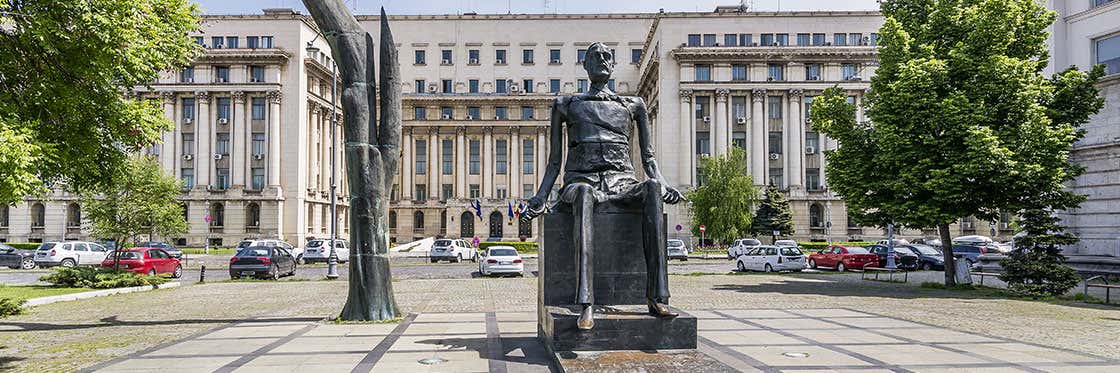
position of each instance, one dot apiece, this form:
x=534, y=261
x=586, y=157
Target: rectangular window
x=874, y=39
x=781, y=39
x=258, y=108
x=223, y=143
x=474, y=113
x=394, y=195
x=500, y=86
x=266, y=42
x=258, y=178
x=813, y=71
x=500, y=56
x=256, y=74
x=526, y=112
x=420, y=86
x=501, y=113
x=774, y=72
x=1108, y=53
x=221, y=74
x=694, y=40
x=188, y=143
x=855, y=38
x=554, y=56
x=730, y=40
x=776, y=177
x=222, y=182
x=703, y=107
x=420, y=113
x=709, y=40
x=812, y=140
x=187, y=175
x=474, y=191
x=635, y=55
x=231, y=42
x=186, y=75
x=840, y=39
x=420, y=152
x=200, y=41
x=739, y=72
x=446, y=54
x=528, y=164
x=739, y=140
x=472, y=56
x=527, y=191
x=581, y=54
x=447, y=156
x=767, y=40
x=808, y=100
x=803, y=39
x=421, y=57
x=253, y=42
x=188, y=109
x=703, y=73
x=746, y=40
x=774, y=107
x=446, y=85
x=421, y=192
x=703, y=144
x=527, y=85
x=475, y=162
x=217, y=42
x=813, y=179
x=527, y=56
x=446, y=112
x=1097, y=3
x=472, y=86
x=775, y=143
x=447, y=191
x=501, y=192
x=501, y=154
x=849, y=71
x=258, y=144
x=223, y=108
x=554, y=86
x=739, y=109
x=581, y=85
x=818, y=39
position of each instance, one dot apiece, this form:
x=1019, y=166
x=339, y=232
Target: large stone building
x=1086, y=33
x=252, y=117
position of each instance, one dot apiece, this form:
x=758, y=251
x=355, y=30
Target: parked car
x=785, y=243
x=144, y=260
x=452, y=250
x=169, y=248
x=989, y=245
x=843, y=258
x=771, y=259
x=740, y=247
x=897, y=242
x=935, y=242
x=261, y=261
x=677, y=249
x=70, y=254
x=320, y=251
x=971, y=253
x=501, y=259
x=15, y=258
x=296, y=252
x=903, y=258
x=929, y=257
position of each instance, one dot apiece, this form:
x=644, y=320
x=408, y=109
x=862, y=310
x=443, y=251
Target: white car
x=501, y=259
x=320, y=251
x=897, y=242
x=70, y=254
x=677, y=249
x=452, y=250
x=295, y=251
x=740, y=247
x=772, y=259
x=785, y=243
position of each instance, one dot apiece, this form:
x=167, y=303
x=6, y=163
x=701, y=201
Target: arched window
x=816, y=216
x=4, y=215
x=217, y=215
x=418, y=220
x=466, y=225
x=392, y=220
x=38, y=215
x=495, y=224
x=253, y=215
x=73, y=215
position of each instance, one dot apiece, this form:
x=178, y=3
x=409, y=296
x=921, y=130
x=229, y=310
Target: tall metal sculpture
x=372, y=152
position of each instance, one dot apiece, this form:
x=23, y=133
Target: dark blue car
x=929, y=257
x=971, y=253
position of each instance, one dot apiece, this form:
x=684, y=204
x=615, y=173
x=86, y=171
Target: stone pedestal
x=617, y=328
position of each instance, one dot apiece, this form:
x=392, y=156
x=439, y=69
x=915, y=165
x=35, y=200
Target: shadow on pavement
x=520, y=350
x=7, y=327
x=6, y=361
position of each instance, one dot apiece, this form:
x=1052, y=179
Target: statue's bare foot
x=660, y=309
x=586, y=318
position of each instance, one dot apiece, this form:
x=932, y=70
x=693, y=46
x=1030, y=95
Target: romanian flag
x=509, y=212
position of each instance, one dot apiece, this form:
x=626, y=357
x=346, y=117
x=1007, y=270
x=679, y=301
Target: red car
x=843, y=258
x=145, y=260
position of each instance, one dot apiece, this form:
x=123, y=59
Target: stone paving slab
x=763, y=340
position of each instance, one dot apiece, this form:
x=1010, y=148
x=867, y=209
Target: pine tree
x=1037, y=267
x=773, y=215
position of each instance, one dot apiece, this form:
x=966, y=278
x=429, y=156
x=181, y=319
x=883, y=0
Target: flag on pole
x=509, y=212
x=477, y=208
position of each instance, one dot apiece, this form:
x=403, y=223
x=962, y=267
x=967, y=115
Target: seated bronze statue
x=598, y=170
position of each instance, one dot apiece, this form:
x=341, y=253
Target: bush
x=24, y=245
x=99, y=278
x=1036, y=269
x=522, y=247
x=10, y=307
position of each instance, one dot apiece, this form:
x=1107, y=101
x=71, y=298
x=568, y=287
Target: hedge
x=24, y=245
x=99, y=278
x=522, y=247
x=818, y=246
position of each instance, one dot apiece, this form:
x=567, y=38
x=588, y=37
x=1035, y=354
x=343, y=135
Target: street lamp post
x=332, y=259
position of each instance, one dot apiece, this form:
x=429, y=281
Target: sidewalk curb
x=96, y=293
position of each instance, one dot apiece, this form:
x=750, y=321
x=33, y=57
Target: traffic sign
x=679, y=227
x=208, y=218
x=703, y=228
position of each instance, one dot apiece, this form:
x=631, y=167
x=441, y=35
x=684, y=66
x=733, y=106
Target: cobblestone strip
x=161, y=346
x=263, y=350
x=367, y=363
x=495, y=351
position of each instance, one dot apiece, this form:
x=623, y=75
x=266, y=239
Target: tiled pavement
x=768, y=340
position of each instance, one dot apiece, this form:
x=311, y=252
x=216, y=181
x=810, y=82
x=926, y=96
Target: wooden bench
x=890, y=272
x=985, y=274
x=1104, y=284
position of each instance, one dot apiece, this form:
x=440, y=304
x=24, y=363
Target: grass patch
x=213, y=251
x=36, y=291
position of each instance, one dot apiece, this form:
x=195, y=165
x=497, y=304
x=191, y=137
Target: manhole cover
x=431, y=361
x=795, y=354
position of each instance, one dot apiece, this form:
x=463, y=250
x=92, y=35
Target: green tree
x=724, y=200
x=65, y=68
x=143, y=201
x=1037, y=267
x=773, y=215
x=962, y=122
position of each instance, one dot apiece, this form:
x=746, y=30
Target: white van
x=70, y=254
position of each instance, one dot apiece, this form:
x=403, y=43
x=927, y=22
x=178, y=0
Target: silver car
x=677, y=250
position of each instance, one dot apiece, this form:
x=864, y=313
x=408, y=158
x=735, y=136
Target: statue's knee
x=582, y=191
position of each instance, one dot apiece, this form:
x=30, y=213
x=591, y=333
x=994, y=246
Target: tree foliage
x=65, y=68
x=773, y=214
x=962, y=122
x=723, y=202
x=1036, y=268
x=141, y=202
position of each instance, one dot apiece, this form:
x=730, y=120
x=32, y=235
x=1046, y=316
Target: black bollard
x=202, y=273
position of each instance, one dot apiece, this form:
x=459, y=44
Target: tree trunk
x=372, y=153
x=947, y=250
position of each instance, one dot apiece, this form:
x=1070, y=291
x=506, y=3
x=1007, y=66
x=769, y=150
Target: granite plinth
x=640, y=361
x=627, y=327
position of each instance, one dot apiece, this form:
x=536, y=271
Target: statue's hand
x=535, y=208
x=672, y=196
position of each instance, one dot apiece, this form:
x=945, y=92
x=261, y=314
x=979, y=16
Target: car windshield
x=255, y=251
x=315, y=243
x=125, y=255
x=244, y=244
x=46, y=246
x=443, y=243
x=856, y=250
x=676, y=243
x=503, y=252
x=790, y=251
x=926, y=249
x=751, y=242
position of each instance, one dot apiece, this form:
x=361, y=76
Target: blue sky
x=532, y=6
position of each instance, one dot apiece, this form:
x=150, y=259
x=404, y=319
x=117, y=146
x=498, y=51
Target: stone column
x=407, y=147
x=433, y=163
x=167, y=152
x=314, y=153
x=247, y=152
x=488, y=162
x=688, y=135
x=721, y=133
x=797, y=141
x=787, y=148
x=325, y=144
x=758, y=137
x=542, y=156
x=238, y=158
x=461, y=162
x=515, y=162
x=274, y=98
x=203, y=129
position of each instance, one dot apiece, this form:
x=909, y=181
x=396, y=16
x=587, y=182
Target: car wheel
x=739, y=265
x=234, y=276
x=458, y=258
x=300, y=261
x=768, y=268
x=152, y=272
x=812, y=264
x=27, y=264
x=178, y=272
x=434, y=260
x=927, y=266
x=69, y=263
x=273, y=273
x=840, y=267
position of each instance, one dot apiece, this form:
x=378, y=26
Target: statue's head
x=599, y=62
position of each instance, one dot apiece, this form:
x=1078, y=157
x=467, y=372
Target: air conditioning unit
x=855, y=77
x=828, y=43
x=217, y=157
x=815, y=77
x=555, y=61
x=446, y=117
x=530, y=117
x=774, y=44
x=474, y=60
x=500, y=62
x=188, y=120
x=741, y=120
x=222, y=80
x=446, y=62
x=432, y=88
x=866, y=41
x=258, y=156
x=470, y=117
x=255, y=80
x=188, y=156
x=754, y=44
x=223, y=121
x=769, y=78
x=775, y=156
x=810, y=150
x=514, y=88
